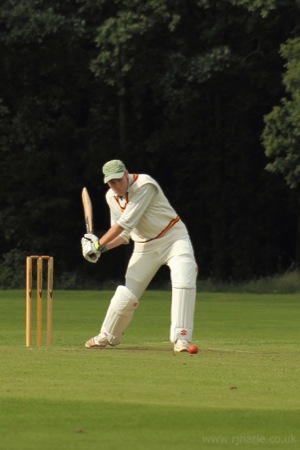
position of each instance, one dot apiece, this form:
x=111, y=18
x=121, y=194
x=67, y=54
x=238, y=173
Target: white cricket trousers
x=144, y=263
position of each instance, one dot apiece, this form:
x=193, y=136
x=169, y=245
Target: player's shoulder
x=109, y=194
x=143, y=178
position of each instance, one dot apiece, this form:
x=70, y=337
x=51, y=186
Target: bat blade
x=88, y=211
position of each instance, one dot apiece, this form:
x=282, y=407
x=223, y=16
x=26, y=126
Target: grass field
x=241, y=391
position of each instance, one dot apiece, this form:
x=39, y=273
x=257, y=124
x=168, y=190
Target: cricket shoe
x=97, y=342
x=181, y=345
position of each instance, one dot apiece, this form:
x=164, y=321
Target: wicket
x=39, y=298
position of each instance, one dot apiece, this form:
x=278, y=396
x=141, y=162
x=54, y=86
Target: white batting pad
x=182, y=314
x=119, y=315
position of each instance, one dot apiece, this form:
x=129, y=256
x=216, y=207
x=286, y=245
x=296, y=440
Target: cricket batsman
x=140, y=211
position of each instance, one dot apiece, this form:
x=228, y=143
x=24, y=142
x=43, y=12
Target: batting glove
x=95, y=240
x=89, y=251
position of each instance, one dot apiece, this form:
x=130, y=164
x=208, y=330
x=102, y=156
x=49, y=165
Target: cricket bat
x=88, y=211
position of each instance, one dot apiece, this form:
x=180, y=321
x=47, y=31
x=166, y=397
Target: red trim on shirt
x=165, y=230
x=117, y=198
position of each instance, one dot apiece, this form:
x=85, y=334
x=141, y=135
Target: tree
x=177, y=88
x=44, y=78
x=189, y=83
x=281, y=135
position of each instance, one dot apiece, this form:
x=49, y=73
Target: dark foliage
x=175, y=89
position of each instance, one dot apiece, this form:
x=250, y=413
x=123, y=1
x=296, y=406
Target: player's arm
x=112, y=238
x=93, y=247
x=130, y=217
x=137, y=207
